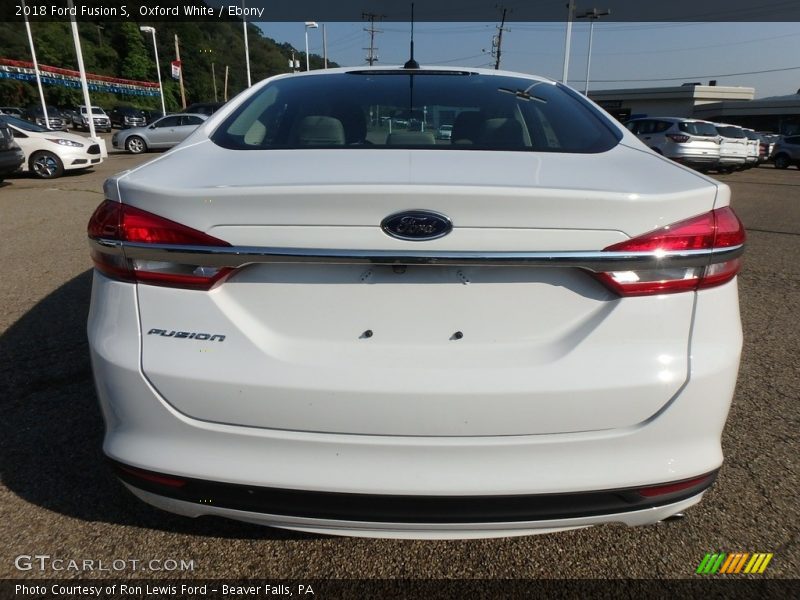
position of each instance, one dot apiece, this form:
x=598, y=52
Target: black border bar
x=439, y=11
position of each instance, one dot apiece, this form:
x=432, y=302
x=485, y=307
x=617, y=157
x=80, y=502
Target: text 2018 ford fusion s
x=317, y=314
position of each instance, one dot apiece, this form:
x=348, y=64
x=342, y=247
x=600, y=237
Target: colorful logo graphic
x=733, y=563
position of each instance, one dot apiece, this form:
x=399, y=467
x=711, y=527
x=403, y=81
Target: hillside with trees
x=119, y=49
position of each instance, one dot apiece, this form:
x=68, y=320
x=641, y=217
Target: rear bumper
x=386, y=508
x=417, y=530
x=732, y=160
x=681, y=441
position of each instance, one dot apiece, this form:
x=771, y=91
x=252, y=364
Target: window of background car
x=168, y=122
x=396, y=109
x=731, y=132
x=698, y=128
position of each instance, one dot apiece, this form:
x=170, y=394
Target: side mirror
x=152, y=127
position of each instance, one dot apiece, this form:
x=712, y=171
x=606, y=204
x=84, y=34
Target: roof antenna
x=411, y=63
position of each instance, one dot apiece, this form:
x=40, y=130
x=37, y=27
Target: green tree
x=135, y=63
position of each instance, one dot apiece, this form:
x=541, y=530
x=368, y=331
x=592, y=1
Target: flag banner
x=25, y=71
x=176, y=69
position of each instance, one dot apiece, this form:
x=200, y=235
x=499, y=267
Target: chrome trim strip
x=237, y=256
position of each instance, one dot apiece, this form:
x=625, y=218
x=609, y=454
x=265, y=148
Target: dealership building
x=727, y=104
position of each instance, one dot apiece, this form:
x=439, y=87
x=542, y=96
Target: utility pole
x=567, y=40
x=214, y=79
x=497, y=41
x=180, y=73
x=324, y=46
x=372, y=58
x=226, y=83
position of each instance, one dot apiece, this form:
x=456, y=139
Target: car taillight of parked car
x=678, y=138
x=117, y=222
x=718, y=230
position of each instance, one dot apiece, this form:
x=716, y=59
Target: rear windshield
x=698, y=128
x=752, y=135
x=396, y=109
x=731, y=132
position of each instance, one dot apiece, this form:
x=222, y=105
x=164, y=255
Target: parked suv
x=11, y=155
x=688, y=141
x=733, y=149
x=753, y=148
x=787, y=152
x=55, y=120
x=101, y=120
x=127, y=116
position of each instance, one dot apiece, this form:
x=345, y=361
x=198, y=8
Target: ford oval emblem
x=416, y=225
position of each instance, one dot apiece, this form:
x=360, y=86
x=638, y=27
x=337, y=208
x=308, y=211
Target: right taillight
x=117, y=222
x=718, y=229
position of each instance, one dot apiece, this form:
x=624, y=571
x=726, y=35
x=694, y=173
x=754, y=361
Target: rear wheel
x=46, y=165
x=782, y=161
x=135, y=145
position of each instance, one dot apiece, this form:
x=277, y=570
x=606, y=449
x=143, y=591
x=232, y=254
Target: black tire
x=135, y=145
x=46, y=165
x=782, y=161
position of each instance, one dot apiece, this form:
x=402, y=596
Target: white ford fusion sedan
x=317, y=314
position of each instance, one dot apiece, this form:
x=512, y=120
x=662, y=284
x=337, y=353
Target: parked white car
x=687, y=141
x=733, y=149
x=102, y=122
x=753, y=148
x=49, y=153
x=302, y=320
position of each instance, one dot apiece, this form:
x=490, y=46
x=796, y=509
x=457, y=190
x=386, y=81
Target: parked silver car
x=166, y=132
x=787, y=152
x=688, y=141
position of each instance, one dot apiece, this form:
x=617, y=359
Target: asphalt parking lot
x=58, y=498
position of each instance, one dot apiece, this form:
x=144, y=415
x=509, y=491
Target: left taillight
x=117, y=222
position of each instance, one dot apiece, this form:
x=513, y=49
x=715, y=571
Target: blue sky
x=621, y=51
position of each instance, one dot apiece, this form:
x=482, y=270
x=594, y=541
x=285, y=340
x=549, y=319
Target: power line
x=689, y=77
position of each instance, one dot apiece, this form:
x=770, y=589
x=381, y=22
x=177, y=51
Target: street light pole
x=152, y=30
x=36, y=67
x=592, y=15
x=567, y=40
x=246, y=51
x=309, y=25
x=82, y=69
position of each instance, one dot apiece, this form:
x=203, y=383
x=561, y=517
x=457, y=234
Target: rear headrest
x=354, y=121
x=317, y=130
